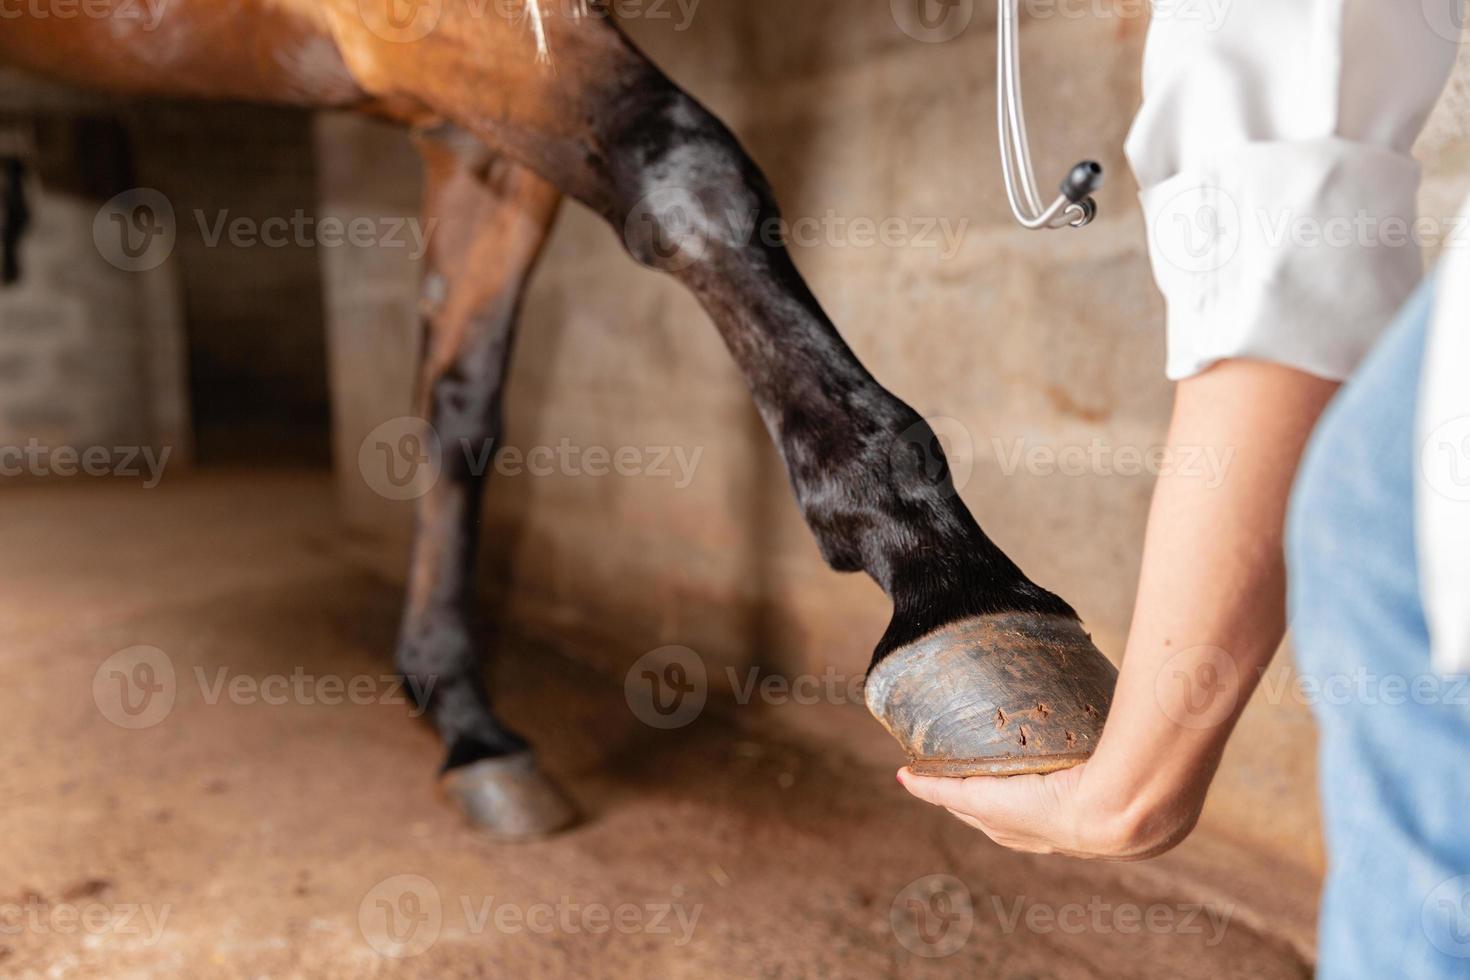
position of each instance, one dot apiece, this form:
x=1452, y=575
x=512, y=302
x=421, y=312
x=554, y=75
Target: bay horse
x=980, y=671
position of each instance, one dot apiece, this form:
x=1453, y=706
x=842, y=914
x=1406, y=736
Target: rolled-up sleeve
x=1272, y=152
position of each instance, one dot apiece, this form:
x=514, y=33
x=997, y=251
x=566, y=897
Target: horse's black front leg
x=980, y=669
x=490, y=219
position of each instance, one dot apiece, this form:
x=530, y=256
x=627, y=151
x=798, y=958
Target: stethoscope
x=1074, y=206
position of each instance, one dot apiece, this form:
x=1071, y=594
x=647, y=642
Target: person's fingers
x=1006, y=809
x=1013, y=803
x=996, y=803
x=1031, y=813
x=1002, y=798
x=952, y=794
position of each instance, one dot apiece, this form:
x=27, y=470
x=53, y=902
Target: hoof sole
x=509, y=798
x=999, y=695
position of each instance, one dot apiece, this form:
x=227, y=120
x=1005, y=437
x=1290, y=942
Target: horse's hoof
x=510, y=798
x=997, y=695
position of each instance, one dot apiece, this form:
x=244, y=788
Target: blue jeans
x=1395, y=738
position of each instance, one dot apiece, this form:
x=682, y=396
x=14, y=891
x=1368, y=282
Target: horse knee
x=682, y=188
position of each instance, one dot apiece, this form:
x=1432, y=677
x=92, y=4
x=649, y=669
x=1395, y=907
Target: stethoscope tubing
x=1074, y=206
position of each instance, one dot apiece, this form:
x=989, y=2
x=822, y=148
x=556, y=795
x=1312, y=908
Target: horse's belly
x=259, y=50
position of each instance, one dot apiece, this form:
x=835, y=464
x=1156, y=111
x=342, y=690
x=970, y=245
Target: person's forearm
x=1210, y=611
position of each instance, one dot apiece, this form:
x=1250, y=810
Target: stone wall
x=91, y=353
x=186, y=335
x=241, y=183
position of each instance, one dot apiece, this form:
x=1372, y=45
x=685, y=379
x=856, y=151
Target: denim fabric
x=1395, y=738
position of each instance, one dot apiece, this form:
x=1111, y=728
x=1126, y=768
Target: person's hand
x=1068, y=812
x=1211, y=595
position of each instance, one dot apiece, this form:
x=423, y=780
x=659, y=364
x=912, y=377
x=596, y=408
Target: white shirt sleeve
x=1272, y=153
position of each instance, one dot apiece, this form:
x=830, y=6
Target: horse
x=514, y=107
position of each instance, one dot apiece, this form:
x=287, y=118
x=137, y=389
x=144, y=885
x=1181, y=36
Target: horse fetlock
x=479, y=739
x=872, y=482
x=467, y=417
x=435, y=655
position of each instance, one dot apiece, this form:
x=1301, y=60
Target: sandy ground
x=234, y=836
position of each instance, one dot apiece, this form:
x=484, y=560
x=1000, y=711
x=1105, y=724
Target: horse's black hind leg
x=490, y=218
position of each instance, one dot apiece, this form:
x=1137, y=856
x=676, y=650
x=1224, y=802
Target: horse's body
x=504, y=137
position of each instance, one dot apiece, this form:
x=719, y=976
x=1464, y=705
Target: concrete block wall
x=253, y=301
x=90, y=355
x=208, y=345
x=367, y=170
x=1020, y=341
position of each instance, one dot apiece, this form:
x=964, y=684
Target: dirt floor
x=253, y=829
